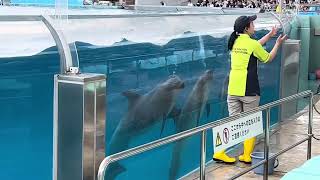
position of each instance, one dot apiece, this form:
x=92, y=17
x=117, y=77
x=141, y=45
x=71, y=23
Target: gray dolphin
x=190, y=116
x=143, y=112
x=223, y=97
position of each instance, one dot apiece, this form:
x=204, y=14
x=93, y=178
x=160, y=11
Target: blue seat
x=309, y=170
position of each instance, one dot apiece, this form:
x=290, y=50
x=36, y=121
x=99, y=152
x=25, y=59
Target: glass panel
x=28, y=62
x=166, y=74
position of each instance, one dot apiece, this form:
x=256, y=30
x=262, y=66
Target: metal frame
x=63, y=47
x=279, y=20
x=88, y=123
x=284, y=89
x=149, y=146
x=55, y=130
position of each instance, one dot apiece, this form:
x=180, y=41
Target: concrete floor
x=288, y=133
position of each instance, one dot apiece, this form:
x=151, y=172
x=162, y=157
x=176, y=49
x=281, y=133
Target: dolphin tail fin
x=208, y=109
x=176, y=160
x=119, y=142
x=198, y=117
x=114, y=170
x=174, y=114
x=163, y=124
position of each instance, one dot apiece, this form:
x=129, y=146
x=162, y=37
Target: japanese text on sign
x=232, y=133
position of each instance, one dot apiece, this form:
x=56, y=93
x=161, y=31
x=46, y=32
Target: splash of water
x=202, y=52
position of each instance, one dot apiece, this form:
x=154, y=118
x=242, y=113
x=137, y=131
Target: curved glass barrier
x=33, y=10
x=28, y=62
x=166, y=74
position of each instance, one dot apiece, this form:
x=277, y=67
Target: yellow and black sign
x=218, y=140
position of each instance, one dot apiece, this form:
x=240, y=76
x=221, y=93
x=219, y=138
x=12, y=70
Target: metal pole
x=62, y=44
x=203, y=156
x=271, y=157
x=248, y=170
x=310, y=127
x=280, y=5
x=266, y=145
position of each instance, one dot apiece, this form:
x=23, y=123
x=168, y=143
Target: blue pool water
x=26, y=105
x=143, y=66
x=26, y=108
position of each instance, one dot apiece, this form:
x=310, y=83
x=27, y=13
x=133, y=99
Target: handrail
x=58, y=36
x=146, y=147
x=279, y=20
x=64, y=50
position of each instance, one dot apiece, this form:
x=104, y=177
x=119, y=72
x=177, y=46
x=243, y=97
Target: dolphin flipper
x=176, y=159
x=164, y=118
x=181, y=125
x=198, y=117
x=174, y=114
x=208, y=109
x=119, y=142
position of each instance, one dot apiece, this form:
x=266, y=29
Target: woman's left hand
x=273, y=31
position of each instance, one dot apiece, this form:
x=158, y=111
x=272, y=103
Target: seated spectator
x=199, y=3
x=240, y=4
x=162, y=3
x=205, y=3
x=225, y=4
x=190, y=3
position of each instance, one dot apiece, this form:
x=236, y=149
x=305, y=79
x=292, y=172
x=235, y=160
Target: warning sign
x=237, y=131
x=218, y=140
x=226, y=135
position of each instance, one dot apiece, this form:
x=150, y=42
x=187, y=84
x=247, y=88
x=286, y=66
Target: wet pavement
x=289, y=132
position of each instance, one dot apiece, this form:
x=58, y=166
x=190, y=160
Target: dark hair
x=232, y=39
x=235, y=34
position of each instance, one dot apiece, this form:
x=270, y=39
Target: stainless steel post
x=266, y=145
x=310, y=127
x=203, y=156
x=79, y=126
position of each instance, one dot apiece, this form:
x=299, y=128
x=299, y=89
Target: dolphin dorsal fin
x=132, y=96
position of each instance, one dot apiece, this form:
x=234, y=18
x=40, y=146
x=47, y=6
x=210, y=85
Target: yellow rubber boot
x=248, y=146
x=221, y=156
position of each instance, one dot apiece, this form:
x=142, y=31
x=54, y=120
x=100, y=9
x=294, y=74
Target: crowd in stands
x=225, y=3
x=265, y=4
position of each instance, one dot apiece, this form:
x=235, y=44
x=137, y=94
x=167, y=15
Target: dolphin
x=143, y=112
x=196, y=103
x=223, y=97
x=190, y=116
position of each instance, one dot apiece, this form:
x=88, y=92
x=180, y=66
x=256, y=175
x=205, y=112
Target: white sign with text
x=234, y=132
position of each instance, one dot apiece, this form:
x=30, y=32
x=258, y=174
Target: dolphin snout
x=209, y=74
x=182, y=85
x=210, y=71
